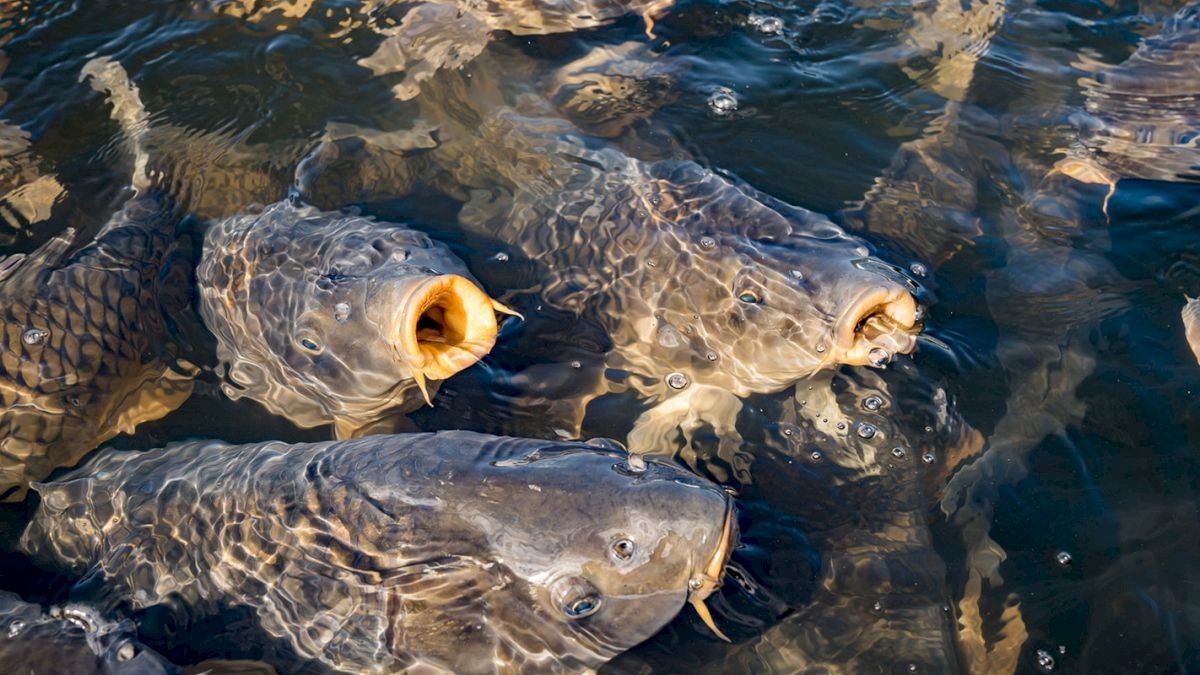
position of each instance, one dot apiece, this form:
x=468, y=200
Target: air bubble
x=341, y=312
x=636, y=462
x=651, y=263
x=677, y=381
x=708, y=242
x=866, y=430
x=722, y=101
x=873, y=402
x=15, y=628
x=928, y=458
x=711, y=356
x=500, y=257
x=34, y=336
x=878, y=606
x=816, y=456
x=820, y=349
x=576, y=365
x=899, y=453
x=767, y=25
x=1063, y=558
x=1045, y=661
x=879, y=357
x=918, y=270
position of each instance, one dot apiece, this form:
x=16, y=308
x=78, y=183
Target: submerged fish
x=454, y=551
x=324, y=316
x=421, y=38
x=1141, y=118
x=73, y=639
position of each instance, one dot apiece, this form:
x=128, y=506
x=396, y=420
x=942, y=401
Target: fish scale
x=380, y=553
x=105, y=362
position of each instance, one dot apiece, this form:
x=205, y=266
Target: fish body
x=1141, y=118
x=422, y=38
x=323, y=316
x=453, y=551
x=88, y=346
x=686, y=270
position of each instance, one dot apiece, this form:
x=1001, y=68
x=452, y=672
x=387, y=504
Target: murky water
x=1019, y=495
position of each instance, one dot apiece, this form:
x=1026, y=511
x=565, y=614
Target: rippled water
x=1020, y=495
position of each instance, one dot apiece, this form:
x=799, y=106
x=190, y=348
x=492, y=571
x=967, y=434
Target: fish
x=437, y=552
x=91, y=346
x=323, y=317
x=419, y=39
x=705, y=287
x=88, y=346
x=72, y=639
x=1140, y=118
x=331, y=317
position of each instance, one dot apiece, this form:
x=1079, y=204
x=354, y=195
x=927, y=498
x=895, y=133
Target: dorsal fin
x=21, y=268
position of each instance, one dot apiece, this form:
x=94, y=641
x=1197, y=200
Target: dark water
x=1020, y=495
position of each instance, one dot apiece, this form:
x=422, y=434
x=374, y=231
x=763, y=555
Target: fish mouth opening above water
x=446, y=325
x=881, y=323
x=705, y=582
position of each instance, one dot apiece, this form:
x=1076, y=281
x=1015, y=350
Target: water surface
x=1020, y=495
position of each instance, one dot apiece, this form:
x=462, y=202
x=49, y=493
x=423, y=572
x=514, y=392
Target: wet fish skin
x=1141, y=117
x=455, y=551
x=73, y=639
x=316, y=314
x=88, y=350
x=688, y=272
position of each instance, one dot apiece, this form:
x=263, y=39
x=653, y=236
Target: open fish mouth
x=446, y=325
x=881, y=323
x=708, y=580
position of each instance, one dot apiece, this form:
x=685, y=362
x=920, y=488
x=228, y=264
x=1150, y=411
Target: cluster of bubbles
x=722, y=102
x=766, y=24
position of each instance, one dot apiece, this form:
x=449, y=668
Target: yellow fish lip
x=708, y=580
x=446, y=324
x=881, y=318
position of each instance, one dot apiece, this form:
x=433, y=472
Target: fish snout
x=879, y=324
x=445, y=324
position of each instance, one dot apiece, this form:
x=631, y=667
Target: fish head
x=613, y=553
x=347, y=317
x=766, y=306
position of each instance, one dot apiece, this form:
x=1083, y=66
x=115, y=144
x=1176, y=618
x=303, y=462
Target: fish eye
x=749, y=297
x=623, y=549
x=310, y=345
x=580, y=607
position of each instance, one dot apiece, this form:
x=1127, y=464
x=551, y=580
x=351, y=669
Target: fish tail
x=109, y=77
